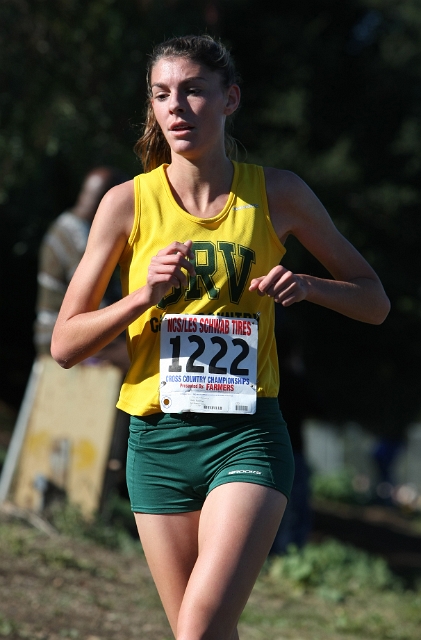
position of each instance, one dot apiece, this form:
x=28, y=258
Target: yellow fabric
x=231, y=248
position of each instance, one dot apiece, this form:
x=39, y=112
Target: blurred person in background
x=61, y=251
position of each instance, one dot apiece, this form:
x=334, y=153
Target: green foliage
x=336, y=486
x=63, y=88
x=75, y=73
x=6, y=626
x=334, y=570
x=114, y=531
x=66, y=559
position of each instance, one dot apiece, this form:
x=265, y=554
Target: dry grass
x=59, y=587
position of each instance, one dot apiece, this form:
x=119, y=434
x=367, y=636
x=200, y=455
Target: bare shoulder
x=296, y=210
x=294, y=207
x=282, y=183
x=116, y=210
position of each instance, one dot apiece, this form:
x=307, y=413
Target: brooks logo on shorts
x=257, y=473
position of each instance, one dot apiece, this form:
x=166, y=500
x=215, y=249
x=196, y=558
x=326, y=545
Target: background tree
x=331, y=90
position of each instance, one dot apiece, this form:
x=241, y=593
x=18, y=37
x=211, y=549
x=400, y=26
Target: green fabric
x=175, y=460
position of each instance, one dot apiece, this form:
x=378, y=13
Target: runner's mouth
x=181, y=127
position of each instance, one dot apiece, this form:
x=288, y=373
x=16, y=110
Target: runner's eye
x=160, y=96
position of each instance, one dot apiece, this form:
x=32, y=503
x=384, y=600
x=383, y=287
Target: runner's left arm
x=355, y=290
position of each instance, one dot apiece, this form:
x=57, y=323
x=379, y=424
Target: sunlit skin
x=191, y=107
x=205, y=563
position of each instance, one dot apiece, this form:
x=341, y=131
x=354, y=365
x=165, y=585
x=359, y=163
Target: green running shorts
x=175, y=459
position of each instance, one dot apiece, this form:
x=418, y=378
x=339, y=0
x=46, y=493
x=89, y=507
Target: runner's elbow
x=380, y=310
x=59, y=354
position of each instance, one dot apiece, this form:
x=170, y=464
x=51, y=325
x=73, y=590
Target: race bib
x=208, y=364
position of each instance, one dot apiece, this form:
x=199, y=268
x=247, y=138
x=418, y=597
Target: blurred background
x=331, y=90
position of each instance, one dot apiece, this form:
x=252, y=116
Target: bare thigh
x=205, y=563
x=170, y=544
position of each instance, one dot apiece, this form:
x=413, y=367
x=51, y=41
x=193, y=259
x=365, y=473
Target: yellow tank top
x=230, y=249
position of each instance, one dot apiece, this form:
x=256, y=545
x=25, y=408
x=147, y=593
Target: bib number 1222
x=208, y=364
x=221, y=351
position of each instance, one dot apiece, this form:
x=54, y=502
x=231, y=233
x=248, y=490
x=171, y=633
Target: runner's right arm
x=82, y=329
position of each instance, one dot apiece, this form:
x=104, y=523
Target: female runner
x=199, y=239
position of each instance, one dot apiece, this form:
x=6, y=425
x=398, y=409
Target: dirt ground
x=54, y=587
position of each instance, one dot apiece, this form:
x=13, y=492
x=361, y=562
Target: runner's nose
x=175, y=103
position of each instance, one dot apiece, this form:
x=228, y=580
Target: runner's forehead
x=180, y=70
